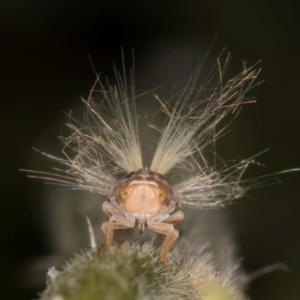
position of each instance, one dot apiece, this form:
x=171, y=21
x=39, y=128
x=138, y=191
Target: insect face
x=145, y=192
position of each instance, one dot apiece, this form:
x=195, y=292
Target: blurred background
x=45, y=69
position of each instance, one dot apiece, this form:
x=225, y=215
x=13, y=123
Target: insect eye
x=123, y=192
x=162, y=192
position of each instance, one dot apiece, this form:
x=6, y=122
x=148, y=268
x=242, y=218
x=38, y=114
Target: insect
x=106, y=146
x=141, y=198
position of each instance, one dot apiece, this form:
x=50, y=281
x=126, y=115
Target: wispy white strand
x=93, y=243
x=196, y=111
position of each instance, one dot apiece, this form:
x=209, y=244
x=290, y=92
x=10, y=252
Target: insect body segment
x=143, y=198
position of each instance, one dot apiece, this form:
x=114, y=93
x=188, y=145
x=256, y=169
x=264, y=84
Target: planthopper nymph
x=143, y=198
x=104, y=153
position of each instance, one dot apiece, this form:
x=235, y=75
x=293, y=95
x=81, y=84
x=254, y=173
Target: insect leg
x=171, y=234
x=175, y=218
x=115, y=222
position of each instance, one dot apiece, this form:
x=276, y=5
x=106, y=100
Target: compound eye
x=162, y=192
x=123, y=192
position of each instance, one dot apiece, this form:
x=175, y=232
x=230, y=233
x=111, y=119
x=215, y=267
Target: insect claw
x=165, y=261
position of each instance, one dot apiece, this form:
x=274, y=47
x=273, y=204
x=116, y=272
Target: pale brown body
x=143, y=198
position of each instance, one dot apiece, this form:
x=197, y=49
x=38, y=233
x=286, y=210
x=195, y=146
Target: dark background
x=45, y=67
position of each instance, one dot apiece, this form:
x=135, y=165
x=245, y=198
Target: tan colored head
x=144, y=191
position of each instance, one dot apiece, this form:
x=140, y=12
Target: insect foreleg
x=169, y=231
x=115, y=222
x=175, y=218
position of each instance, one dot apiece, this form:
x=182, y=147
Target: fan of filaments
x=106, y=143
